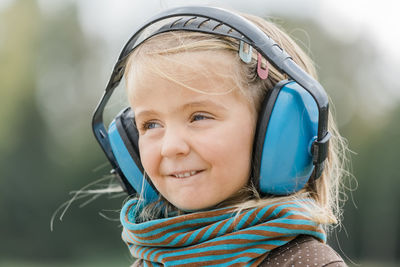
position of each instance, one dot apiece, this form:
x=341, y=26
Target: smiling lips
x=185, y=174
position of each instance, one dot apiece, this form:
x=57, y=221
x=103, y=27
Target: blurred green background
x=55, y=59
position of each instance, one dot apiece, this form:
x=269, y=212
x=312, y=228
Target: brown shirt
x=304, y=251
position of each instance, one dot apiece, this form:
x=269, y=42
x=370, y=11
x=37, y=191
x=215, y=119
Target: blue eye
x=150, y=125
x=198, y=117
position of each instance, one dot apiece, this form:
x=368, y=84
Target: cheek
x=230, y=148
x=239, y=150
x=148, y=157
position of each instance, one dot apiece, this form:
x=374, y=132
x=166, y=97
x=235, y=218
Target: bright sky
x=379, y=19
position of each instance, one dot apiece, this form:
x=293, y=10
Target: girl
x=189, y=145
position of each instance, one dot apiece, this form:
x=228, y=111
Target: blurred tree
x=46, y=144
x=17, y=73
x=377, y=169
x=371, y=225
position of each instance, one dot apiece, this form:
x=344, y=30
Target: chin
x=191, y=207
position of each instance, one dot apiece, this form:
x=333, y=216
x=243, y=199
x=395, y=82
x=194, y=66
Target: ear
x=124, y=137
x=287, y=127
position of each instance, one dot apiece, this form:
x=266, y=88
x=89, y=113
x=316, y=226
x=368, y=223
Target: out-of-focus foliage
x=49, y=87
x=353, y=73
x=51, y=76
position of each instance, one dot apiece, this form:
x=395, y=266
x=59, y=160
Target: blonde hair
x=326, y=191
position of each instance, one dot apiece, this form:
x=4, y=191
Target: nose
x=174, y=143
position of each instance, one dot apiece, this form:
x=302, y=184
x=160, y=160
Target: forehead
x=208, y=72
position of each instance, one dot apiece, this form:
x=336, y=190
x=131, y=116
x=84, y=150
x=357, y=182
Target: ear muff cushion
x=286, y=161
x=127, y=155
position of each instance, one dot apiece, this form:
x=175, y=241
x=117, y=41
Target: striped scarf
x=218, y=237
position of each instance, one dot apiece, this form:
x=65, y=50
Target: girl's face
x=195, y=147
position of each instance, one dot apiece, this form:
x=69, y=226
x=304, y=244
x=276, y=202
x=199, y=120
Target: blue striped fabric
x=217, y=237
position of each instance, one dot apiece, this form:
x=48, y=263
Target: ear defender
x=124, y=138
x=291, y=139
x=287, y=128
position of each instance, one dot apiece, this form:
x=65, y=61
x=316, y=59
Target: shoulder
x=304, y=251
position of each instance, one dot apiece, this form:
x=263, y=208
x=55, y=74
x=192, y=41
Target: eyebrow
x=190, y=105
x=203, y=103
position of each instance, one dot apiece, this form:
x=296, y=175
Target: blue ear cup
x=123, y=138
x=290, y=120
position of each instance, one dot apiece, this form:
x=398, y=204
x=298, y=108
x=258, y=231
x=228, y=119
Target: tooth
x=185, y=174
